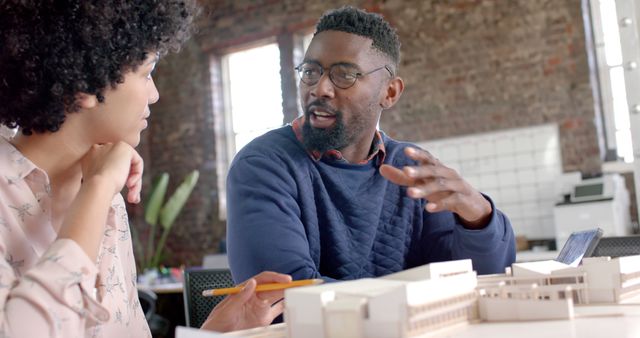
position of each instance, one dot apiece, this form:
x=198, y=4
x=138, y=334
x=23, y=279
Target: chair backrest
x=618, y=246
x=196, y=306
x=147, y=300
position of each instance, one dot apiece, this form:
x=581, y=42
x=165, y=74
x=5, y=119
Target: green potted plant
x=157, y=212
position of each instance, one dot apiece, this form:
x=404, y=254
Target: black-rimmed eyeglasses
x=342, y=76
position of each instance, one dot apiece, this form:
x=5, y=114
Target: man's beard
x=323, y=139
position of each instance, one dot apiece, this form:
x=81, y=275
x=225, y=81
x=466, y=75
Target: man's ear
x=393, y=93
x=86, y=101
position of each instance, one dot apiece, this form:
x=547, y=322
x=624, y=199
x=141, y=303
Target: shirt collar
x=18, y=167
x=20, y=173
x=376, y=152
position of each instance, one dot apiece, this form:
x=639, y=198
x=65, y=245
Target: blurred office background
x=526, y=98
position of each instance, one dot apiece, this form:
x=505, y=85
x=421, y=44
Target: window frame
x=225, y=139
x=601, y=77
x=291, y=46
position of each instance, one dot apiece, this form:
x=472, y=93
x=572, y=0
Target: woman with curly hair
x=75, y=78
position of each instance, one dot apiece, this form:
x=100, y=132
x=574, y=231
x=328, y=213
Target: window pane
x=619, y=93
x=256, y=95
x=625, y=150
x=612, y=48
x=306, y=41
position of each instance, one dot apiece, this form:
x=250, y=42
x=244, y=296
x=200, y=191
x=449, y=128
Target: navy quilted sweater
x=331, y=220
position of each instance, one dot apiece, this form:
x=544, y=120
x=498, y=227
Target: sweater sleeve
x=264, y=226
x=491, y=249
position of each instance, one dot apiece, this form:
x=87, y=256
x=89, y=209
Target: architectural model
x=428, y=300
x=405, y=304
x=597, y=280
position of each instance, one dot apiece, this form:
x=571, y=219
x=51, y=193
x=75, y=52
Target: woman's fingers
x=271, y=277
x=275, y=311
x=247, y=291
x=134, y=181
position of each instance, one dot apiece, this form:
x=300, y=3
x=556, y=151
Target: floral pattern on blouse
x=49, y=287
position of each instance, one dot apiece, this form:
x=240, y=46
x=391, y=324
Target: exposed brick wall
x=469, y=66
x=179, y=139
x=475, y=66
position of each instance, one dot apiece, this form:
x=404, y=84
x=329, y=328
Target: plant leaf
x=155, y=261
x=175, y=203
x=154, y=204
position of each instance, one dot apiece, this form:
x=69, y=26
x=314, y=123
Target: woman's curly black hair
x=51, y=50
x=370, y=25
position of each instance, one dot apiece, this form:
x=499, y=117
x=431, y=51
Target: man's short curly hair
x=370, y=25
x=51, y=50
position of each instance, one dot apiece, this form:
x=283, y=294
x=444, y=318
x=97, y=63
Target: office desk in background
x=163, y=288
x=619, y=321
x=211, y=261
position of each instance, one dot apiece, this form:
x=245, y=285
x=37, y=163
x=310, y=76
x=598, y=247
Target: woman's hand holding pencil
x=247, y=308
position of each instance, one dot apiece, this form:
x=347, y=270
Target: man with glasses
x=332, y=197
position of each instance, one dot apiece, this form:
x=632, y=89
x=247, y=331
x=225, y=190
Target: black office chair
x=158, y=325
x=197, y=307
x=617, y=246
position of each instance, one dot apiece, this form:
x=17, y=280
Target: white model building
x=611, y=280
x=524, y=302
x=414, y=302
x=597, y=280
x=430, y=299
x=532, y=291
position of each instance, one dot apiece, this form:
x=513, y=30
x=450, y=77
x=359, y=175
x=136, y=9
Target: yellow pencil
x=262, y=287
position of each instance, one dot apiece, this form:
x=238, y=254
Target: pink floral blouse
x=49, y=287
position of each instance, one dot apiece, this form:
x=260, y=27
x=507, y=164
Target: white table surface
x=621, y=321
x=597, y=321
